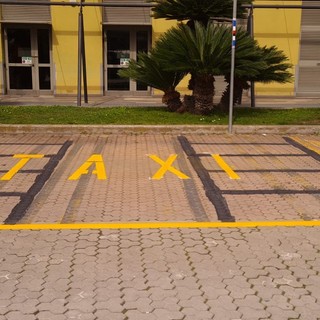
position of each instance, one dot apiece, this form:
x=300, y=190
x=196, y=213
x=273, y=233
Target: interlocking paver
x=253, y=273
x=218, y=296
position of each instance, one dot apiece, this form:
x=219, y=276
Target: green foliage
x=200, y=50
x=207, y=50
x=277, y=66
x=149, y=70
x=151, y=116
x=196, y=10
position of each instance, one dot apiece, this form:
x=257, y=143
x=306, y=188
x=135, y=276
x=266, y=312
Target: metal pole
x=84, y=64
x=79, y=57
x=233, y=55
x=252, y=84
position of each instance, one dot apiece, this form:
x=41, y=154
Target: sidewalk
x=109, y=101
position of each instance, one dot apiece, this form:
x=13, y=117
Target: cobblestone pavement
x=267, y=273
x=199, y=273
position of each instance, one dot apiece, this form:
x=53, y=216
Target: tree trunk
x=172, y=99
x=239, y=86
x=188, y=103
x=203, y=92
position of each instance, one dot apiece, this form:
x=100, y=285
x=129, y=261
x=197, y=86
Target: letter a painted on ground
x=24, y=160
x=100, y=171
x=166, y=166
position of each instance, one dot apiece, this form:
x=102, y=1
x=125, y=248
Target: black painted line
x=190, y=187
x=211, y=189
x=25, y=171
x=301, y=147
x=29, y=144
x=239, y=144
x=251, y=155
x=274, y=191
x=11, y=155
x=20, y=209
x=12, y=194
x=274, y=170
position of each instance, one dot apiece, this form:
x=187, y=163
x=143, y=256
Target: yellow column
x=65, y=47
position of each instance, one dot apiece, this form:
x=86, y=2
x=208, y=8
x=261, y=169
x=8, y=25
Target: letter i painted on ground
x=224, y=166
x=166, y=166
x=100, y=171
x=24, y=160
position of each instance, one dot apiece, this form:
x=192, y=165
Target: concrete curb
x=159, y=129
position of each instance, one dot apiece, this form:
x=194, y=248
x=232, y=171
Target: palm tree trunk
x=172, y=99
x=203, y=91
x=239, y=86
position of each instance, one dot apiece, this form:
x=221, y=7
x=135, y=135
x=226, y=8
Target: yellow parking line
x=223, y=165
x=163, y=225
x=311, y=145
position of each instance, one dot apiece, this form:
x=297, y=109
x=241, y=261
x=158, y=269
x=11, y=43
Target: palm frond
x=149, y=71
x=196, y=10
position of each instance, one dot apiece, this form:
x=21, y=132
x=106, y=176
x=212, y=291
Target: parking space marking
x=100, y=170
x=310, y=144
x=25, y=158
x=224, y=166
x=166, y=166
x=164, y=225
x=211, y=186
x=303, y=146
x=26, y=199
x=212, y=191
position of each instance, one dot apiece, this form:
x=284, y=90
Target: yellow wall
x=279, y=27
x=1, y=60
x=65, y=48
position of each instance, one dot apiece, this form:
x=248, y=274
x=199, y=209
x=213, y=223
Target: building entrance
x=123, y=44
x=28, y=60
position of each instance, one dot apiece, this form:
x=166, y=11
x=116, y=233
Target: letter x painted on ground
x=166, y=166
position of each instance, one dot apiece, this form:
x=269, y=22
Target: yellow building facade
x=39, y=46
x=279, y=27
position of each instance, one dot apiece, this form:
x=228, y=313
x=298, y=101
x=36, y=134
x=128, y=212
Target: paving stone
x=136, y=315
x=164, y=314
x=56, y=306
x=17, y=315
x=252, y=313
x=279, y=313
x=106, y=314
x=27, y=307
x=83, y=305
x=209, y=273
x=75, y=314
x=46, y=315
x=224, y=302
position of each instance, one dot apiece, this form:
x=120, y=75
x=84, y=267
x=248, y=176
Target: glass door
x=123, y=44
x=28, y=67
x=118, y=55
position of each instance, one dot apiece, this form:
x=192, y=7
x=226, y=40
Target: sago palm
x=148, y=70
x=274, y=68
x=204, y=52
